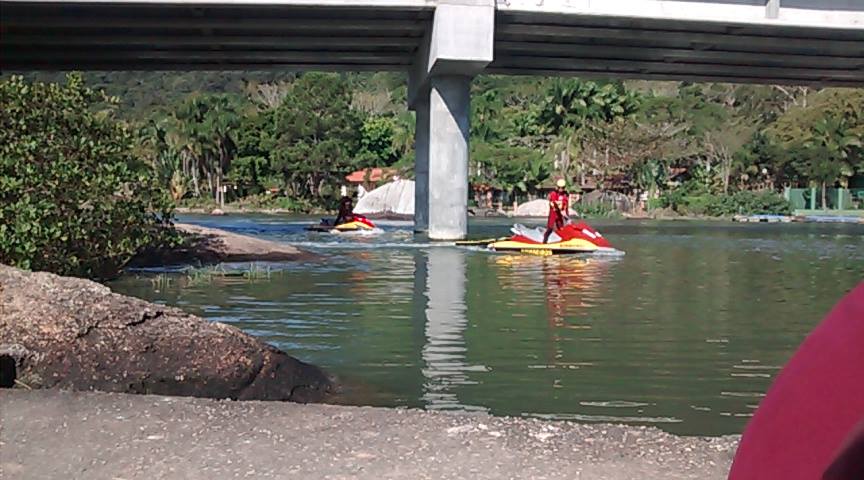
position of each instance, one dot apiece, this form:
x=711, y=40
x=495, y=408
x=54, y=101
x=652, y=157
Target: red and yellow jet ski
x=571, y=238
x=354, y=224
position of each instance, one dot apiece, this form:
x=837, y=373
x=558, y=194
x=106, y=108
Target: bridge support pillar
x=449, y=109
x=458, y=46
x=421, y=164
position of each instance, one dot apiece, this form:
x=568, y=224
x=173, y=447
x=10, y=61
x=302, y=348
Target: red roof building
x=371, y=175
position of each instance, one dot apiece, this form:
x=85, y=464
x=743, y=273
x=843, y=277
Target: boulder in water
x=536, y=208
x=61, y=332
x=394, y=199
x=212, y=245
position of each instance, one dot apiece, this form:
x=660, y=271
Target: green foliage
x=207, y=126
x=274, y=202
x=597, y=210
x=825, y=140
x=508, y=168
x=74, y=199
x=313, y=135
x=570, y=103
x=745, y=202
x=302, y=133
x=650, y=175
x=377, y=147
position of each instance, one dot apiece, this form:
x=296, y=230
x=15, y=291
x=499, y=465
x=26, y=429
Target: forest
x=707, y=148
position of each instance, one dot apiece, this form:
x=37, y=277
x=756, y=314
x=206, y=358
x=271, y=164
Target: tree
x=376, y=142
x=719, y=147
x=571, y=103
x=208, y=128
x=314, y=135
x=159, y=144
x=575, y=115
x=74, y=198
x=824, y=138
x=508, y=168
x=403, y=138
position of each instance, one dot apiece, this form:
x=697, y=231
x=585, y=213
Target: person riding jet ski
x=346, y=209
x=346, y=219
x=559, y=206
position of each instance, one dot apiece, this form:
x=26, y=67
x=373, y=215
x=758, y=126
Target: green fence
x=835, y=198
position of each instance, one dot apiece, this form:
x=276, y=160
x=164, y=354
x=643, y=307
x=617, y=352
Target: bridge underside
x=658, y=49
x=183, y=36
x=160, y=36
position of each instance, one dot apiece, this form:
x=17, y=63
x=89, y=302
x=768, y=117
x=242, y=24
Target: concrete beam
x=287, y=26
x=542, y=32
x=682, y=76
x=460, y=42
x=337, y=4
x=772, y=9
x=811, y=13
x=504, y=49
x=161, y=66
x=617, y=66
x=20, y=56
x=462, y=37
x=210, y=41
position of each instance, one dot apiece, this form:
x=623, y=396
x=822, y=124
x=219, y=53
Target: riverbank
x=57, y=434
x=229, y=209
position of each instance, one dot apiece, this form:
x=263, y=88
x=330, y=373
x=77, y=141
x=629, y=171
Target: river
x=684, y=332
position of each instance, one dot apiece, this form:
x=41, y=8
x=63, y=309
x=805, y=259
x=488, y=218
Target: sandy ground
x=52, y=434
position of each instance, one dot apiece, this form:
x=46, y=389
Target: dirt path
x=52, y=434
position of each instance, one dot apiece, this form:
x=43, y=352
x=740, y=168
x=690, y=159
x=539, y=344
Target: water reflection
x=445, y=367
x=570, y=287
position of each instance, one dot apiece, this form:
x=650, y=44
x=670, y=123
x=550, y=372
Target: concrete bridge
x=443, y=44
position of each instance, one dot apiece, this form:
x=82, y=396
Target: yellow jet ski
x=578, y=238
x=354, y=224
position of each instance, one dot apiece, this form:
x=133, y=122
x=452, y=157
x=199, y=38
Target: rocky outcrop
x=211, y=245
x=393, y=200
x=76, y=334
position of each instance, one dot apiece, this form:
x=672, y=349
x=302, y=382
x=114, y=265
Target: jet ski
x=356, y=223
x=571, y=238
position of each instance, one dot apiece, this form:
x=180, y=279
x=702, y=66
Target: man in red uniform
x=559, y=205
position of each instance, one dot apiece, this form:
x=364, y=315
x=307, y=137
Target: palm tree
x=208, y=127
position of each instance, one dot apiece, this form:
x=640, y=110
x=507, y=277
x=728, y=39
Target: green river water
x=684, y=332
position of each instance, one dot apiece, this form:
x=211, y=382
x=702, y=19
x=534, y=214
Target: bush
x=74, y=200
x=714, y=205
x=204, y=203
x=751, y=203
x=677, y=199
x=597, y=210
x=264, y=201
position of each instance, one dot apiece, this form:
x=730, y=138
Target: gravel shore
x=49, y=434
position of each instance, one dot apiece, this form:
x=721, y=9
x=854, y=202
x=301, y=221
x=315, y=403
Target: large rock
x=394, y=199
x=76, y=334
x=212, y=245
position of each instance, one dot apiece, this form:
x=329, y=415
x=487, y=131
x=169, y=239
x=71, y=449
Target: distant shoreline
x=822, y=217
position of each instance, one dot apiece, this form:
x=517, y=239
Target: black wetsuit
x=346, y=210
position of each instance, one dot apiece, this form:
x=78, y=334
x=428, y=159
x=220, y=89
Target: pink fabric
x=814, y=405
